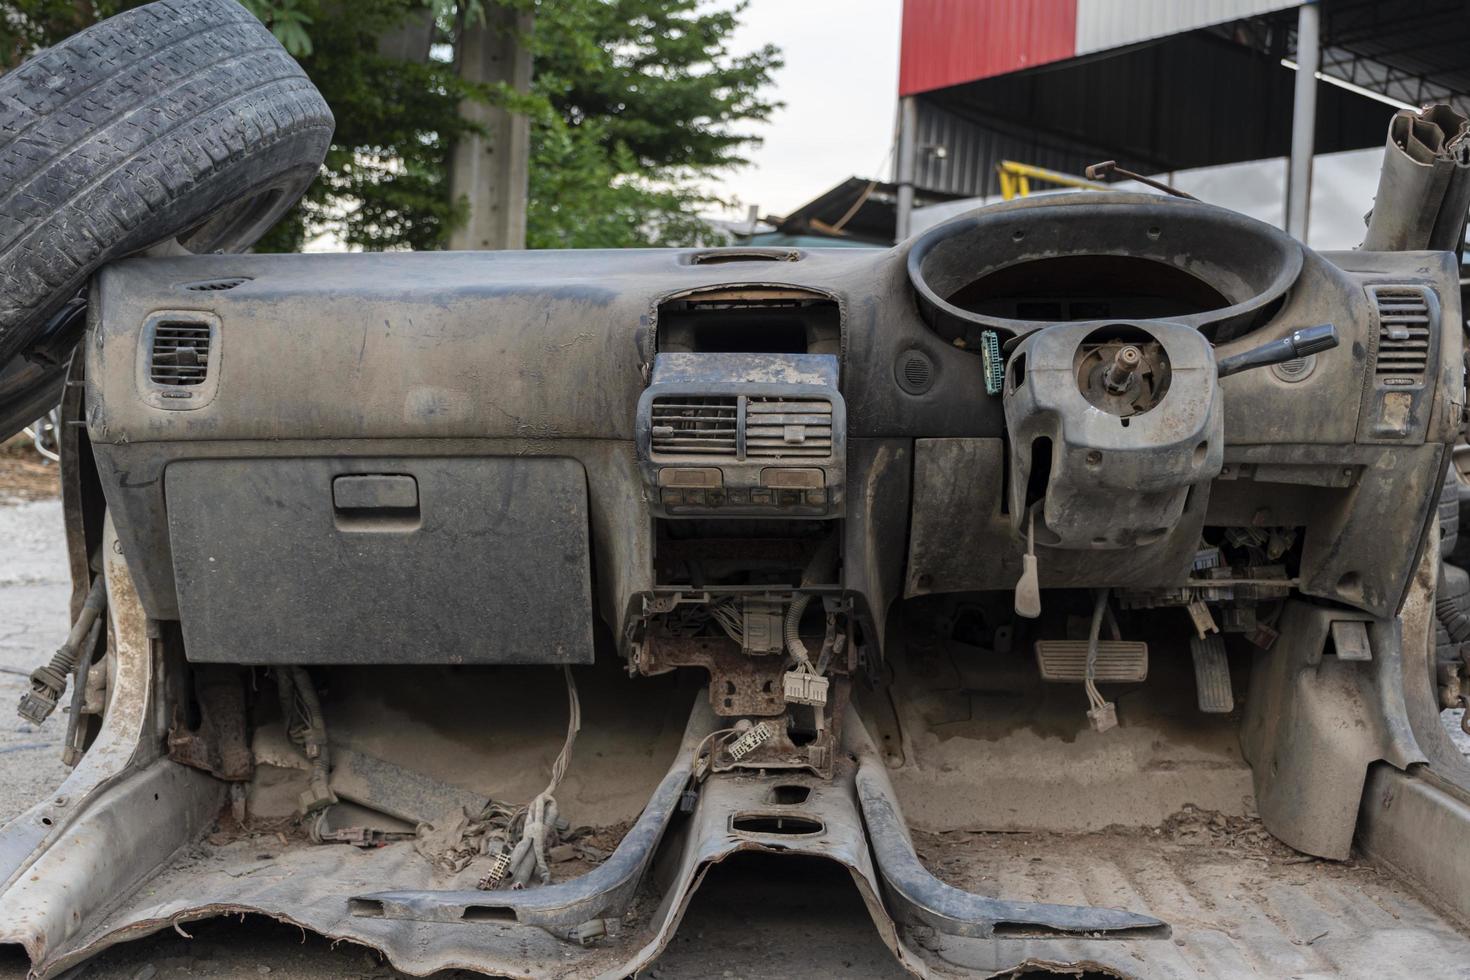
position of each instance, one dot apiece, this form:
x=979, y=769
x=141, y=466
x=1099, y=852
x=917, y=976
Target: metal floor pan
x=1240, y=905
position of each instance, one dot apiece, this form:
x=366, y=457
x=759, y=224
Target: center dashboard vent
x=777, y=427
x=706, y=426
x=764, y=427
x=734, y=434
x=1404, y=325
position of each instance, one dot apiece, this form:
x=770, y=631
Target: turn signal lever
x=1298, y=343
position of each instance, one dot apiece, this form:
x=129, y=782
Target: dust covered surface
x=270, y=868
x=753, y=919
x=1240, y=903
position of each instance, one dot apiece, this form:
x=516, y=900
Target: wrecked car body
x=472, y=607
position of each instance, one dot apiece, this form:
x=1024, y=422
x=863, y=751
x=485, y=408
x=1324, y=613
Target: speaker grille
x=915, y=372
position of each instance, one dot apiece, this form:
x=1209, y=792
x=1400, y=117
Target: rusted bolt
x=1121, y=371
x=1094, y=457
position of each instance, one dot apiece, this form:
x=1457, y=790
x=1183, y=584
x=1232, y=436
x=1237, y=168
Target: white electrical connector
x=498, y=870
x=749, y=742
x=1103, y=717
x=804, y=687
x=1204, y=623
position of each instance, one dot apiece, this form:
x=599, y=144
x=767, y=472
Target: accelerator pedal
x=1118, y=661
x=1212, y=674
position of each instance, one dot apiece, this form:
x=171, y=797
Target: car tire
x=1449, y=513
x=1452, y=609
x=182, y=120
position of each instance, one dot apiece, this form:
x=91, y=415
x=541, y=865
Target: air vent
x=1404, y=325
x=180, y=353
x=687, y=426
x=728, y=255
x=788, y=427
x=215, y=285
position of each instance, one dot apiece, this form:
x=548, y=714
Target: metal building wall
x=946, y=42
x=959, y=155
x=1103, y=24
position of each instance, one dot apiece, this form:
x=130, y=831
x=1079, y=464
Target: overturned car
x=471, y=607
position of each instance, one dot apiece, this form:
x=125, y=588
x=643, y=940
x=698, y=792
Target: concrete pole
x=908, y=143
x=490, y=172
x=1303, y=120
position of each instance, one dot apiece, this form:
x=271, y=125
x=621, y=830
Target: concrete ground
x=751, y=919
x=34, y=593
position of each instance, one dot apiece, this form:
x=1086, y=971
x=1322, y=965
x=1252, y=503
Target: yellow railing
x=1016, y=178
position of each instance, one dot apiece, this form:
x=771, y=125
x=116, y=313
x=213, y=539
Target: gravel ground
x=752, y=919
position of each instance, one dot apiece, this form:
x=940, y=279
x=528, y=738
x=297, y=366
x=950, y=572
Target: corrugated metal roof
x=1103, y=24
x=1190, y=100
x=946, y=42
x=855, y=211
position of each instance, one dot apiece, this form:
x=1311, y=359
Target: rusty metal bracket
x=1106, y=169
x=219, y=745
x=739, y=685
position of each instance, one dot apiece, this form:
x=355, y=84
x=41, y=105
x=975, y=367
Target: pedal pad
x=1212, y=674
x=1118, y=661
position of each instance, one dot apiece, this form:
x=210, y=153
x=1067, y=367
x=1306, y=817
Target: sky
x=840, y=86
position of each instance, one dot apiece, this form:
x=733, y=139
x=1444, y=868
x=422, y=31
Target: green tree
x=645, y=102
x=635, y=105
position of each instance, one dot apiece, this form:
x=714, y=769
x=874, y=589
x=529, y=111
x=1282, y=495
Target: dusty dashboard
x=1158, y=405
x=736, y=429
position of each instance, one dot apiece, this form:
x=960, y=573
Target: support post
x=908, y=142
x=1303, y=120
x=490, y=171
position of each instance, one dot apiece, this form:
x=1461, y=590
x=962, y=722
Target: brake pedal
x=1118, y=661
x=1212, y=674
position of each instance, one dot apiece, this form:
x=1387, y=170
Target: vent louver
x=788, y=427
x=1403, y=335
x=704, y=425
x=180, y=353
x=216, y=285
